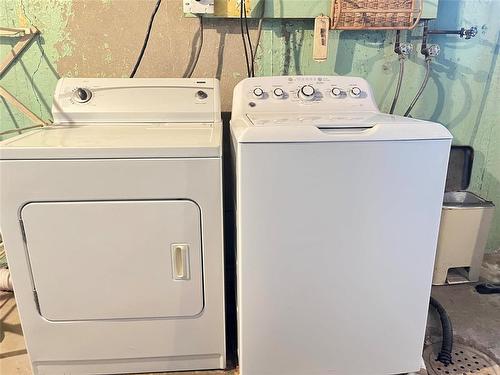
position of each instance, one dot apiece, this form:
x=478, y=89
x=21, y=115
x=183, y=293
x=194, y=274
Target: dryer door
x=97, y=260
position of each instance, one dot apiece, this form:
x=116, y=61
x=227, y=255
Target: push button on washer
x=278, y=93
x=201, y=95
x=258, y=93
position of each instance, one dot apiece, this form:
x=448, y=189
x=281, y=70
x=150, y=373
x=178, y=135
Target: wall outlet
x=198, y=6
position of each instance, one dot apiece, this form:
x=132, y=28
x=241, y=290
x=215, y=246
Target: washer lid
x=101, y=141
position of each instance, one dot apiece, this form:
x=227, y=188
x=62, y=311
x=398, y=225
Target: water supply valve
x=463, y=32
x=406, y=48
x=433, y=50
x=468, y=33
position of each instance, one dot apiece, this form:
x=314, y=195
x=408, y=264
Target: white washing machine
x=338, y=209
x=112, y=224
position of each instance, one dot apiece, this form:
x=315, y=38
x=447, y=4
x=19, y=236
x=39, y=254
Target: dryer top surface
x=115, y=141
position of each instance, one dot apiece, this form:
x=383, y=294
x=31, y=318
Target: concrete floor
x=475, y=317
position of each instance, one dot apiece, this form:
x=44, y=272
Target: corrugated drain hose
x=444, y=355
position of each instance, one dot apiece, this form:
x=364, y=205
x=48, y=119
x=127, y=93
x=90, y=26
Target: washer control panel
x=303, y=93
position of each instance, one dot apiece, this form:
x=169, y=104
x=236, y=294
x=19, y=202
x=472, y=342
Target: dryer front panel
x=96, y=260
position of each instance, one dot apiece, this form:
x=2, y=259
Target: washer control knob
x=307, y=92
x=258, y=93
x=278, y=93
x=336, y=92
x=82, y=95
x=355, y=92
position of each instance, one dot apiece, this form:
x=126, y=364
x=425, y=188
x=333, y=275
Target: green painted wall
x=102, y=38
x=33, y=77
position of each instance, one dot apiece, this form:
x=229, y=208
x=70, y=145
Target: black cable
x=145, y=44
x=488, y=288
x=397, y=45
x=444, y=355
x=252, y=70
x=397, y=49
x=189, y=73
x=244, y=40
x=422, y=86
x=400, y=81
x=423, y=48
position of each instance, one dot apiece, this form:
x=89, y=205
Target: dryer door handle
x=180, y=261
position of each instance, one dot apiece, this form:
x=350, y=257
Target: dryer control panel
x=136, y=100
x=303, y=94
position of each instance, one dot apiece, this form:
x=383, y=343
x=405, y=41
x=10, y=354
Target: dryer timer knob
x=82, y=95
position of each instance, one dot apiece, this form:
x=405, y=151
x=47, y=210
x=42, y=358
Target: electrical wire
x=488, y=288
x=422, y=86
x=242, y=7
x=397, y=50
x=252, y=69
x=259, y=29
x=146, y=39
x=189, y=73
x=398, y=86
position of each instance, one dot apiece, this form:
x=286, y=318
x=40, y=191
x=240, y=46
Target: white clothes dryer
x=112, y=224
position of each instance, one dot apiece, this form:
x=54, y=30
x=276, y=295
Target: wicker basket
x=375, y=14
